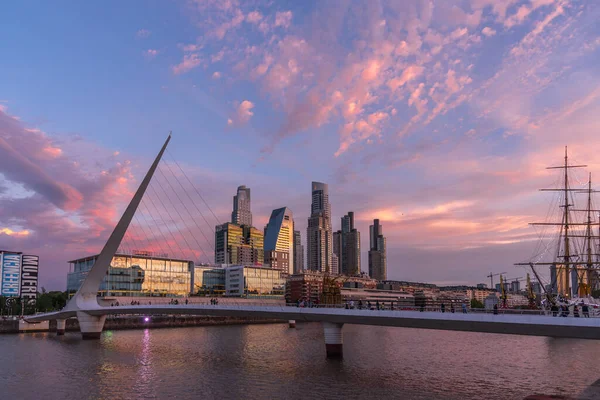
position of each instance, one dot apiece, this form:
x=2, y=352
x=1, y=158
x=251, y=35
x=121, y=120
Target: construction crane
x=491, y=276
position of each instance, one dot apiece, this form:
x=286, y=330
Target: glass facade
x=136, y=275
x=209, y=281
x=245, y=281
x=235, y=244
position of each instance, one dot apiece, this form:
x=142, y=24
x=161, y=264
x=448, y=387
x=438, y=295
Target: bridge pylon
x=86, y=297
x=334, y=344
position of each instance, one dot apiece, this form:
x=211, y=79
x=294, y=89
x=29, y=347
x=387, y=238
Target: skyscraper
x=298, y=253
x=377, y=252
x=349, y=256
x=338, y=247
x=235, y=244
x=319, y=232
x=279, y=240
x=241, y=214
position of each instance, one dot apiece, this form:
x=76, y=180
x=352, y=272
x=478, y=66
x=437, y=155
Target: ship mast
x=565, y=226
x=588, y=239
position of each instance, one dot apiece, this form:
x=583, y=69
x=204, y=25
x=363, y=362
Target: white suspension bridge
x=91, y=314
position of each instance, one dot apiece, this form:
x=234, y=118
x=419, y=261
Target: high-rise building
x=349, y=246
x=298, y=253
x=241, y=214
x=377, y=252
x=319, y=232
x=338, y=246
x=241, y=245
x=335, y=264
x=279, y=240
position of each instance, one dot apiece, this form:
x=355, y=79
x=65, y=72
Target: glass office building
x=136, y=275
x=209, y=281
x=249, y=281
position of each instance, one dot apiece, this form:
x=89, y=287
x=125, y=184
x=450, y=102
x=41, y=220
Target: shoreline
x=11, y=326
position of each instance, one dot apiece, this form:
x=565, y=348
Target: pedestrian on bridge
x=464, y=308
x=586, y=310
x=452, y=307
x=443, y=307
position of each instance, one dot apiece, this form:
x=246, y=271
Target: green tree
x=476, y=303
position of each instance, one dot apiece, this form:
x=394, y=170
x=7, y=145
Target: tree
x=596, y=293
x=476, y=303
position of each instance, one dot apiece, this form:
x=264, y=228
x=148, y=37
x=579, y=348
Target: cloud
x=61, y=195
x=283, y=19
x=143, y=33
x=242, y=115
x=190, y=61
x=10, y=232
x=216, y=75
x=487, y=31
x=254, y=17
x=151, y=53
x=17, y=167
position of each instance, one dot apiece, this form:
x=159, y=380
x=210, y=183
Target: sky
x=437, y=117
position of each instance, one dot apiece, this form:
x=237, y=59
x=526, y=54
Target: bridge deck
x=535, y=325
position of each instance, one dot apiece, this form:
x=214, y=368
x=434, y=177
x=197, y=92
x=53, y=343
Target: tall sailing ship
x=575, y=234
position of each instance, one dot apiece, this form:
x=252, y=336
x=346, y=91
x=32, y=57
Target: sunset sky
x=437, y=117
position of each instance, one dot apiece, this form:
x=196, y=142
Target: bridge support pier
x=292, y=323
x=90, y=325
x=333, y=339
x=61, y=325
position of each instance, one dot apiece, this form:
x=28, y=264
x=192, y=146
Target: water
x=275, y=362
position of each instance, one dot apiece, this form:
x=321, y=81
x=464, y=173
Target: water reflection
x=273, y=361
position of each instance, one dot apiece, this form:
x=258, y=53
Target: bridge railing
x=592, y=313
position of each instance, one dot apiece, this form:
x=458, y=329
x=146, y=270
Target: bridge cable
x=189, y=212
x=149, y=238
x=172, y=220
x=201, y=248
x=195, y=188
x=156, y=224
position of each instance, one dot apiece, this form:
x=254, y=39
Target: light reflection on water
x=273, y=361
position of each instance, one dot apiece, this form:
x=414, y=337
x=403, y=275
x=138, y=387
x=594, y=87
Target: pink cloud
x=254, y=17
x=243, y=113
x=151, y=52
x=10, y=232
x=190, y=61
x=283, y=19
x=487, y=31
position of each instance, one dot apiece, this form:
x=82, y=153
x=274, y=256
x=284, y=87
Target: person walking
x=452, y=308
x=495, y=309
x=586, y=310
x=443, y=307
x=576, y=311
x=464, y=307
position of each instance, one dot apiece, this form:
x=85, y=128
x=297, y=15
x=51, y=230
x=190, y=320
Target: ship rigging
x=575, y=269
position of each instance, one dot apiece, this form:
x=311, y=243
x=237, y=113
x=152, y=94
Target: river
x=275, y=362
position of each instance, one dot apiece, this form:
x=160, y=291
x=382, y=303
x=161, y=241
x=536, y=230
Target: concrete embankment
x=135, y=322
